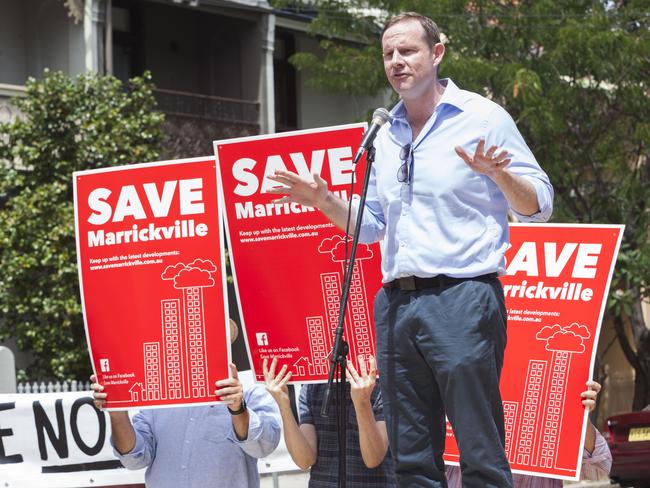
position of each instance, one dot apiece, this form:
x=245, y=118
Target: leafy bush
x=66, y=125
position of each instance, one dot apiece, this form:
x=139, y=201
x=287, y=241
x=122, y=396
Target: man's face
x=409, y=62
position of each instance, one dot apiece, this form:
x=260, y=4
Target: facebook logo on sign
x=104, y=366
x=262, y=339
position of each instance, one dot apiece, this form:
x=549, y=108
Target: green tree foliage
x=66, y=125
x=574, y=75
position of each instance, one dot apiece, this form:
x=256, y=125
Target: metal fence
x=49, y=387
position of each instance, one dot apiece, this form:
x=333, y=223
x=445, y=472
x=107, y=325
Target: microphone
x=379, y=118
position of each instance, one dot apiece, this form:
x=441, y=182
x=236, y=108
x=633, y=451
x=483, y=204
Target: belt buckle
x=407, y=283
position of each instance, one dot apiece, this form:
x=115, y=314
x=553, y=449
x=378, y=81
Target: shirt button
x=402, y=244
x=183, y=467
x=187, y=442
x=191, y=418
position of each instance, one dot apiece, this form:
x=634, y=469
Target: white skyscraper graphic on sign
x=317, y=345
x=563, y=342
x=533, y=393
x=544, y=394
x=172, y=344
x=358, y=328
x=195, y=349
x=180, y=369
x=331, y=288
x=152, y=372
x=510, y=421
x=360, y=316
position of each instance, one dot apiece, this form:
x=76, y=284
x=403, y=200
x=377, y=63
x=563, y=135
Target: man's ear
x=438, y=53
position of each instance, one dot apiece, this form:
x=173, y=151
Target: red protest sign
x=288, y=259
x=149, y=251
x=556, y=286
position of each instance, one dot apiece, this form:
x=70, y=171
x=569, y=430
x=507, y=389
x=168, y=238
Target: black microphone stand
x=338, y=357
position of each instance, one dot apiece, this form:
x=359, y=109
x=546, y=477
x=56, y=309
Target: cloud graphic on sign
x=204, y=264
x=172, y=271
x=547, y=331
x=193, y=278
x=565, y=341
x=338, y=253
x=328, y=244
x=578, y=329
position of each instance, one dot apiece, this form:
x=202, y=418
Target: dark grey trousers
x=440, y=350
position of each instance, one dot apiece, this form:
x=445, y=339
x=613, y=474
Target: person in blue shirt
x=195, y=447
x=450, y=165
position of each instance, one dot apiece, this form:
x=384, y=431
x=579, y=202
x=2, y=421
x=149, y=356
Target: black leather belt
x=412, y=283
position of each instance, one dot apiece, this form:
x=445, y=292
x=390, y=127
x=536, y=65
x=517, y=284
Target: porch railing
x=208, y=107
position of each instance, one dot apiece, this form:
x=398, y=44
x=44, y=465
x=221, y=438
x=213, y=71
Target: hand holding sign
x=99, y=397
x=122, y=430
x=590, y=395
x=231, y=390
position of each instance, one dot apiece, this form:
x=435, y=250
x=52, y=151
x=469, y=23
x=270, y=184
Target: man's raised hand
x=487, y=162
x=296, y=189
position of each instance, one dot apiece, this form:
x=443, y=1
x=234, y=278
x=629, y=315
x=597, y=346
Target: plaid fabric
x=324, y=474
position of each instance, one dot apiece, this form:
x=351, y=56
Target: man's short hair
x=431, y=30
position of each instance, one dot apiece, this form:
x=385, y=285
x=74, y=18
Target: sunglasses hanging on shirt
x=404, y=173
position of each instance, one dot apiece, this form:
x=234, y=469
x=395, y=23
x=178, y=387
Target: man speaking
x=441, y=215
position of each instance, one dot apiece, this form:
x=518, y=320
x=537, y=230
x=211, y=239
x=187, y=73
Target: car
x=628, y=436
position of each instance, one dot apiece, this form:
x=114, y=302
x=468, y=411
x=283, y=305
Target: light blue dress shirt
x=447, y=219
x=196, y=447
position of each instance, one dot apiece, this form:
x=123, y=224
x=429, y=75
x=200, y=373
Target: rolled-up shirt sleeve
x=264, y=425
x=144, y=452
x=503, y=133
x=373, y=223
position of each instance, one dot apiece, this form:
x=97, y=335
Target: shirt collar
x=451, y=96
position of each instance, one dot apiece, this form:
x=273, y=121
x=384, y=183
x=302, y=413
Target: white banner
x=57, y=440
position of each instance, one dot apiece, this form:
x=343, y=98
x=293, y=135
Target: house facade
x=220, y=67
